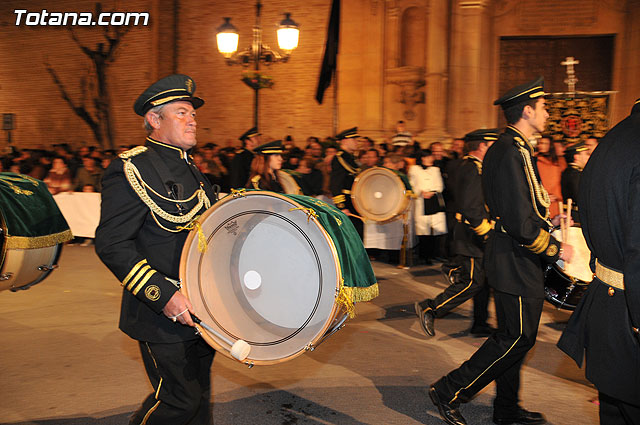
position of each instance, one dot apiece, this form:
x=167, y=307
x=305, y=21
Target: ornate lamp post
x=257, y=53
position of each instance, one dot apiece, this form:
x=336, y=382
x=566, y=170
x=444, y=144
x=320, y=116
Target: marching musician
x=470, y=233
x=344, y=170
x=265, y=166
x=515, y=252
x=240, y=167
x=603, y=329
x=577, y=156
x=151, y=196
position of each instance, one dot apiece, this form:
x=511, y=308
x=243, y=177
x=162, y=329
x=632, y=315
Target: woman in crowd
x=264, y=167
x=430, y=220
x=550, y=167
x=59, y=177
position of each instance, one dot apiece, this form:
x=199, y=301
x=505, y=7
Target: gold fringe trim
x=349, y=295
x=24, y=242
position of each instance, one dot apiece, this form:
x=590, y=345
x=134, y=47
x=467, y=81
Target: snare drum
x=380, y=194
x=32, y=229
x=272, y=273
x=565, y=283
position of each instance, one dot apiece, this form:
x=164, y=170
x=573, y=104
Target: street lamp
x=227, y=39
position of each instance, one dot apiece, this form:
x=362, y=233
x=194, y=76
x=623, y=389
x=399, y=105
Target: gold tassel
x=238, y=193
x=202, y=241
x=310, y=212
x=345, y=300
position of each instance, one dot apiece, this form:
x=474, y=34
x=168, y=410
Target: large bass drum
x=32, y=230
x=566, y=282
x=379, y=194
x=270, y=274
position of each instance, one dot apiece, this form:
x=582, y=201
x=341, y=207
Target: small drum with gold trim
x=31, y=232
x=566, y=282
x=268, y=269
x=379, y=194
x=289, y=183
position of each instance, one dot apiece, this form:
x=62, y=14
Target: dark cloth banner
x=330, y=59
x=575, y=117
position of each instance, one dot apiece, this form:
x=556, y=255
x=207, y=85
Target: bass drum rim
x=288, y=183
x=355, y=189
x=211, y=339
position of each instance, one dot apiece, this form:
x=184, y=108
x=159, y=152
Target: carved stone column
x=436, y=74
x=469, y=95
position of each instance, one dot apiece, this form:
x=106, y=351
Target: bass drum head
x=378, y=194
x=269, y=276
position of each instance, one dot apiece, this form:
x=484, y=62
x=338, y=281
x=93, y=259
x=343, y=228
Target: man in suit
x=605, y=324
x=240, y=167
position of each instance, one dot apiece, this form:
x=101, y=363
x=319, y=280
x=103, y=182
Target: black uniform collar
x=168, y=149
x=519, y=137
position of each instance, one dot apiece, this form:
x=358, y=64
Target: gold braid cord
x=140, y=187
x=538, y=192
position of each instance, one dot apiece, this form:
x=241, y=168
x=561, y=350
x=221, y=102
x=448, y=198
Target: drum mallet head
x=239, y=349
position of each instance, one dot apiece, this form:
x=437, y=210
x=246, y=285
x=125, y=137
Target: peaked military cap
x=252, y=132
x=348, y=134
x=486, y=134
x=576, y=147
x=270, y=148
x=524, y=92
x=168, y=89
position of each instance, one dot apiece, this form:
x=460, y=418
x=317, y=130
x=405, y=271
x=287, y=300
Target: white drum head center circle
x=252, y=280
x=377, y=195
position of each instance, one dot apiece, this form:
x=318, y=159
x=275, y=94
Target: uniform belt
x=609, y=276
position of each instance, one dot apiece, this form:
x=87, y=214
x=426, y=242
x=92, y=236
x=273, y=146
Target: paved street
x=64, y=361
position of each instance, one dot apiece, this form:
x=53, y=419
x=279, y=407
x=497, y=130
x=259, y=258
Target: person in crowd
x=308, y=178
x=430, y=221
x=344, y=170
x=265, y=166
x=550, y=167
x=140, y=239
x=577, y=156
x=58, y=178
x=89, y=174
x=325, y=168
x=370, y=158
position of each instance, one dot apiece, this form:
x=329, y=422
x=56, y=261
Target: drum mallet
x=239, y=349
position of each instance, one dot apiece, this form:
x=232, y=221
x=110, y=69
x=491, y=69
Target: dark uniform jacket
x=343, y=172
x=257, y=182
x=135, y=248
x=569, y=183
x=521, y=241
x=472, y=218
x=610, y=212
x=240, y=168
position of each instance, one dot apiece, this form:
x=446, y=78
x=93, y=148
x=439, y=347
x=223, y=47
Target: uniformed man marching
x=151, y=196
x=344, y=170
x=515, y=251
x=577, y=156
x=470, y=232
x=604, y=327
x=240, y=167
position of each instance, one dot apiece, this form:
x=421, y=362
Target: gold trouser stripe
x=133, y=271
x=143, y=282
x=455, y=396
x=465, y=289
x=155, y=406
x=138, y=275
x=609, y=276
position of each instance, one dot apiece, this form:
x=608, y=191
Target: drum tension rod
x=5, y=276
x=46, y=268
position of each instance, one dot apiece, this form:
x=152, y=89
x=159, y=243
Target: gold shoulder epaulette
x=133, y=152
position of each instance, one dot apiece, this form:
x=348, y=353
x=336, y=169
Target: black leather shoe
x=448, y=413
x=482, y=331
x=426, y=319
x=522, y=416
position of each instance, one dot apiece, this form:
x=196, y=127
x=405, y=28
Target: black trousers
x=499, y=358
x=469, y=282
x=180, y=374
x=617, y=412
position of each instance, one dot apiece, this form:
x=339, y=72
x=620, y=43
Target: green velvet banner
x=30, y=216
